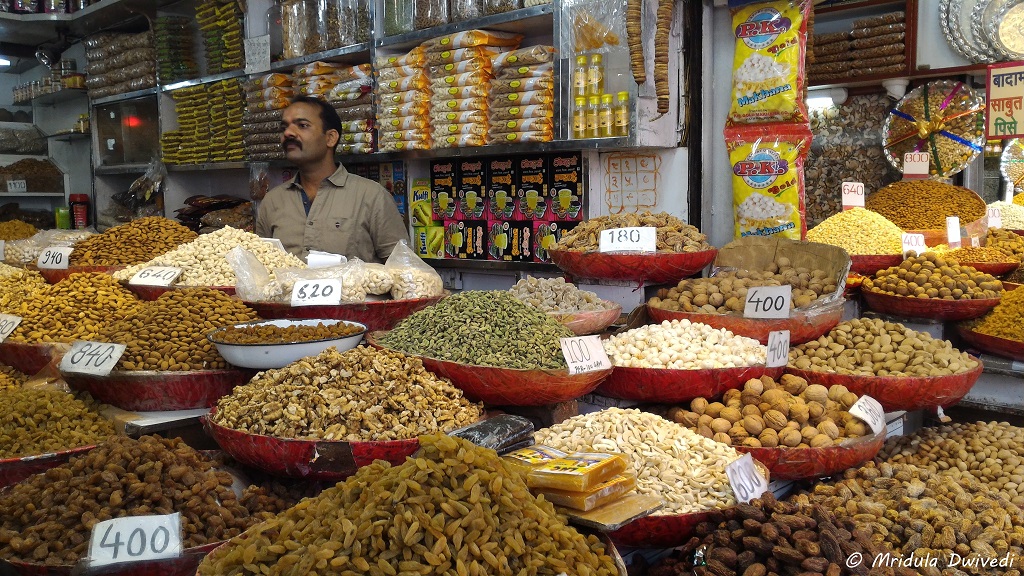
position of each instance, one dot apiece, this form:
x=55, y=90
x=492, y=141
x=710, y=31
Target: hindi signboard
x=1004, y=116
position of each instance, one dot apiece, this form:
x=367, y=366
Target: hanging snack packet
x=768, y=179
x=768, y=80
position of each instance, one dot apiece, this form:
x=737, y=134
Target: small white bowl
x=265, y=356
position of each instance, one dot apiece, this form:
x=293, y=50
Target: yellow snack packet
x=596, y=497
x=526, y=459
x=578, y=471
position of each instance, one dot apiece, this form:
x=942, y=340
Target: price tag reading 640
x=95, y=358
x=155, y=276
x=585, y=354
x=135, y=539
x=317, y=292
x=746, y=480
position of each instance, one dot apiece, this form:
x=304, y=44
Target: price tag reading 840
x=585, y=354
x=7, y=325
x=746, y=480
x=94, y=358
x=640, y=239
x=768, y=302
x=135, y=539
x=871, y=412
x=778, y=349
x=55, y=258
x=155, y=276
x=317, y=292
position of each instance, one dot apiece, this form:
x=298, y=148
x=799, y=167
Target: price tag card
x=853, y=195
x=585, y=354
x=135, y=539
x=953, y=231
x=274, y=242
x=55, y=258
x=768, y=302
x=916, y=165
x=7, y=325
x=17, y=186
x=1010, y=190
x=257, y=54
x=913, y=243
x=3, y=250
x=746, y=480
x=629, y=240
x=317, y=292
x=975, y=242
x=156, y=276
x=870, y=411
x=995, y=217
x=93, y=358
x=778, y=349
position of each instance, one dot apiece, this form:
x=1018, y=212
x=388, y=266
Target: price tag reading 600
x=95, y=358
x=135, y=539
x=746, y=480
x=317, y=292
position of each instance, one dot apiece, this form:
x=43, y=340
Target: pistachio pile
x=859, y=232
x=455, y=508
x=933, y=276
x=683, y=345
x=1004, y=321
x=726, y=292
x=925, y=204
x=1007, y=242
x=670, y=461
x=359, y=395
x=556, y=295
x=488, y=328
x=132, y=243
x=873, y=347
x=674, y=235
x=10, y=378
x=80, y=307
x=270, y=334
x=771, y=414
x=37, y=421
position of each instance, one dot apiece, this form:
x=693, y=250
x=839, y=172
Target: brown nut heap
x=16, y=230
x=973, y=254
x=360, y=395
x=1007, y=242
x=455, y=508
x=10, y=378
x=1004, y=321
x=772, y=537
x=269, y=334
x=674, y=235
x=80, y=307
x=873, y=347
x=926, y=515
x=48, y=517
x=169, y=333
x=925, y=204
x=727, y=291
x=132, y=243
x=15, y=285
x=932, y=276
x=36, y=421
x=770, y=414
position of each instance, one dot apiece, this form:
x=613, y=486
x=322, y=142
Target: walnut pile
x=673, y=234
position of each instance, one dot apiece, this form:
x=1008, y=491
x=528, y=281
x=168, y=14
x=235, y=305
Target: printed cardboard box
x=442, y=189
x=510, y=241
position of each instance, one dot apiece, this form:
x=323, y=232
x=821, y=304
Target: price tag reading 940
x=55, y=258
x=768, y=302
x=916, y=165
x=155, y=276
x=995, y=217
x=746, y=480
x=135, y=539
x=93, y=358
x=8, y=324
x=853, y=195
x=778, y=349
x=585, y=354
x=640, y=239
x=870, y=411
x=317, y=292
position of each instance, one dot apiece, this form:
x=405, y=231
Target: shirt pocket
x=338, y=235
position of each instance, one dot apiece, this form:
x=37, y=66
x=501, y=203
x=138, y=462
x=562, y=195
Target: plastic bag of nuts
x=352, y=275
x=875, y=41
x=411, y=276
x=878, y=30
x=890, y=18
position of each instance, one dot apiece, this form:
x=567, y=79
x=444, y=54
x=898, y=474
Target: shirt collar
x=339, y=178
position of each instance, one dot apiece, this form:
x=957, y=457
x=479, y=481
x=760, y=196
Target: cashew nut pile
x=859, y=231
x=556, y=295
x=378, y=279
x=683, y=345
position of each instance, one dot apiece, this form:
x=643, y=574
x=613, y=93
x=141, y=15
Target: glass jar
x=399, y=16
x=293, y=28
x=466, y=9
x=329, y=25
x=55, y=6
x=499, y=6
x=274, y=30
x=77, y=5
x=355, y=14
x=430, y=13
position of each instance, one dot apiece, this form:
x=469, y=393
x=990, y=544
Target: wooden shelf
x=865, y=5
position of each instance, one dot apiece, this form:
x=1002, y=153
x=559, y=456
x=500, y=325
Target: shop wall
x=635, y=181
x=716, y=217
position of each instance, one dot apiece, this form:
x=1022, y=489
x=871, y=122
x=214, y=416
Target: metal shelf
x=604, y=144
x=69, y=136
x=203, y=80
x=520, y=21
x=32, y=195
x=344, y=53
x=122, y=169
x=35, y=29
x=494, y=265
x=6, y=159
x=205, y=167
x=125, y=96
x=17, y=125
x=60, y=96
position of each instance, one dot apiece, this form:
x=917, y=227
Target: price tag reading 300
x=746, y=480
x=155, y=276
x=585, y=354
x=317, y=292
x=768, y=302
x=55, y=258
x=135, y=539
x=870, y=411
x=7, y=325
x=640, y=239
x=94, y=358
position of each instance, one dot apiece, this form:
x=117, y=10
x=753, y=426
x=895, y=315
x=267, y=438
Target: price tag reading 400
x=778, y=349
x=746, y=480
x=55, y=258
x=768, y=302
x=914, y=243
x=643, y=239
x=585, y=354
x=7, y=325
x=870, y=411
x=155, y=276
x=135, y=539
x=317, y=292
x=94, y=358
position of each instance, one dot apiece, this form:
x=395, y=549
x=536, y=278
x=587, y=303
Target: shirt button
x=310, y=223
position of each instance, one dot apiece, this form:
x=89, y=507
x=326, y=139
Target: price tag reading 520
x=55, y=258
x=317, y=292
x=135, y=539
x=94, y=358
x=639, y=239
x=585, y=354
x=746, y=480
x=768, y=301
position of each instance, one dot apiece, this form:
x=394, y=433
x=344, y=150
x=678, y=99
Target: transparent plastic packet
x=837, y=57
x=529, y=56
x=466, y=9
x=347, y=92
x=452, y=56
x=451, y=117
x=352, y=99
x=319, y=68
x=415, y=57
x=397, y=73
x=470, y=38
x=881, y=62
x=262, y=138
x=267, y=81
x=443, y=102
x=259, y=180
x=511, y=99
x=357, y=148
x=475, y=64
x=879, y=51
x=515, y=112
x=272, y=93
x=378, y=280
x=405, y=123
x=355, y=113
x=460, y=141
x=890, y=18
x=404, y=146
x=522, y=125
x=412, y=278
x=891, y=69
x=356, y=137
x=354, y=126
x=830, y=67
x=822, y=39
x=461, y=92
x=351, y=273
x=399, y=98
x=406, y=83
x=876, y=41
x=317, y=88
x=522, y=85
x=831, y=48
x=882, y=30
x=478, y=129
x=387, y=136
x=273, y=127
x=595, y=25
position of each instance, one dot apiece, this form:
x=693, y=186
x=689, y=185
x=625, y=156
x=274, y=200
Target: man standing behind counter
x=324, y=207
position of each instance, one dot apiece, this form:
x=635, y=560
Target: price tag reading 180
x=746, y=480
x=55, y=258
x=8, y=323
x=94, y=358
x=135, y=539
x=778, y=349
x=639, y=239
x=768, y=302
x=155, y=276
x=317, y=292
x=585, y=354
x=870, y=411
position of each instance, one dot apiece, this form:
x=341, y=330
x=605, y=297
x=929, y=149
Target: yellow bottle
x=579, y=119
x=580, y=76
x=593, y=103
x=595, y=76
x=621, y=114
x=605, y=128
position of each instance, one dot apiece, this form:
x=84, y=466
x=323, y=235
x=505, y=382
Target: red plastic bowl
x=309, y=459
x=14, y=470
x=153, y=390
x=658, y=268
x=1018, y=232
x=664, y=531
x=993, y=344
x=806, y=463
x=868, y=265
x=1007, y=286
x=27, y=358
x=802, y=327
x=931, y=308
x=53, y=276
x=184, y=565
x=379, y=315
x=590, y=322
x=993, y=268
x=900, y=392
x=673, y=386
x=154, y=292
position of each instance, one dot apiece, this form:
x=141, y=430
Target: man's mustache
x=285, y=144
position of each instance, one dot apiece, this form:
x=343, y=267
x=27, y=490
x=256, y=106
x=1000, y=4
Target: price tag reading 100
x=135, y=539
x=585, y=354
